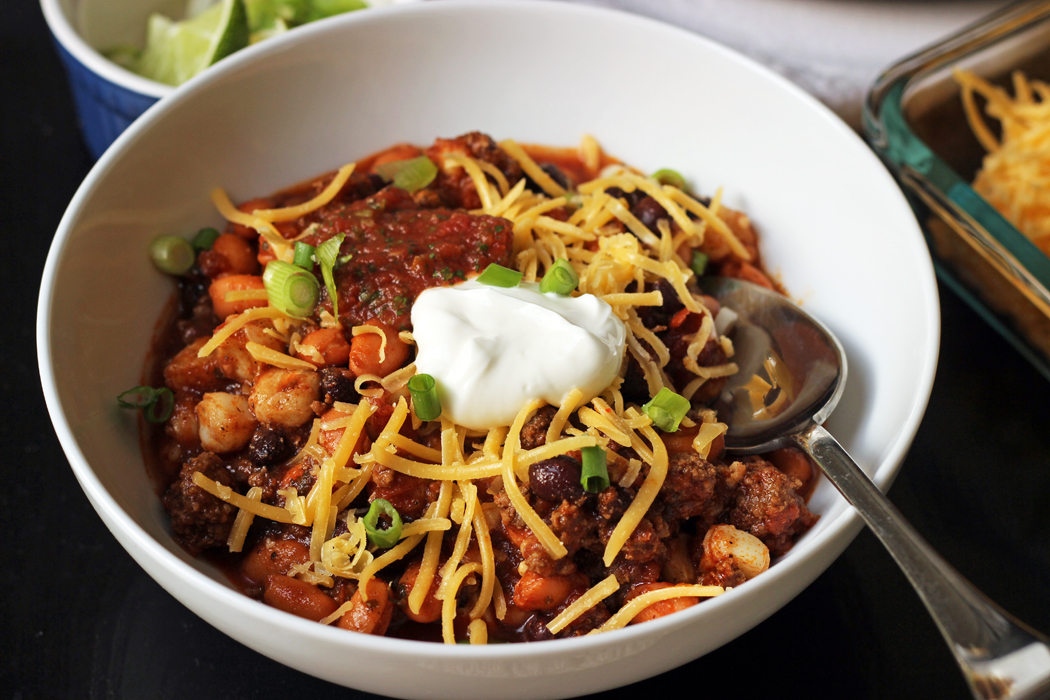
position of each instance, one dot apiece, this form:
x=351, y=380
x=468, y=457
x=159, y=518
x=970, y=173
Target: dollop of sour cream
x=492, y=349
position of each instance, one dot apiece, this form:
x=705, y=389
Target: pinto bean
x=681, y=440
x=239, y=254
x=556, y=479
x=371, y=616
x=533, y=592
x=273, y=557
x=365, y=355
x=430, y=609
x=218, y=289
x=727, y=547
x=247, y=232
x=284, y=397
x=297, y=597
x=226, y=423
x=330, y=344
x=794, y=463
x=659, y=608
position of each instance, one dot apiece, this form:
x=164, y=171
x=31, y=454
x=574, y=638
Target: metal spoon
x=1000, y=656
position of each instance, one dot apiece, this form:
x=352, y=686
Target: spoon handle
x=1000, y=656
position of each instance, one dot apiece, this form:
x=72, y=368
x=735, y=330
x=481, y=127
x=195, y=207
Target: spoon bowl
x=775, y=339
x=792, y=371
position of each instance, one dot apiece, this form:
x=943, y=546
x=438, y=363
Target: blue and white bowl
x=108, y=97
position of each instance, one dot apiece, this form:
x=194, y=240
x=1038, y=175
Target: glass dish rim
x=925, y=175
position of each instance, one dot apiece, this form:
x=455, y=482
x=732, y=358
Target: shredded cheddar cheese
x=617, y=257
x=326, y=196
x=629, y=611
x=1015, y=174
x=585, y=602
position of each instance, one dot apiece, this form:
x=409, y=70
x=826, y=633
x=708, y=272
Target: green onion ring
x=595, y=473
x=561, y=278
x=304, y=256
x=667, y=409
x=411, y=174
x=666, y=176
x=384, y=539
x=160, y=410
x=499, y=276
x=425, y=400
x=139, y=397
x=699, y=263
x=291, y=289
x=172, y=254
x=205, y=239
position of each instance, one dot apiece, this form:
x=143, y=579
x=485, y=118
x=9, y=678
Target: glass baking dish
x=914, y=119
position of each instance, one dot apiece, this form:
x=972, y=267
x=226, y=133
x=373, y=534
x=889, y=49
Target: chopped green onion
x=304, y=256
x=499, y=276
x=666, y=176
x=172, y=254
x=205, y=239
x=699, y=263
x=667, y=409
x=291, y=289
x=425, y=400
x=160, y=410
x=560, y=279
x=385, y=539
x=327, y=255
x=595, y=472
x=156, y=404
x=139, y=397
x=412, y=174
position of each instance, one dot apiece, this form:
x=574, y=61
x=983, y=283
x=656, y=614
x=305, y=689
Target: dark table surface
x=79, y=619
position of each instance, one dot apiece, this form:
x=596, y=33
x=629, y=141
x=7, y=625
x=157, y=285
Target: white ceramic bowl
x=835, y=228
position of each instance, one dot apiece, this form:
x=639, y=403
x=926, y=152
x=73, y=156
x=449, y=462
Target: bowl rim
x=846, y=525
x=69, y=38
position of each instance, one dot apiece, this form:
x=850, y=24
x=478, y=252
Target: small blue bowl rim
x=68, y=37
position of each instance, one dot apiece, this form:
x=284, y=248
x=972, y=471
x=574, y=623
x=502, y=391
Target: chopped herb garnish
x=327, y=255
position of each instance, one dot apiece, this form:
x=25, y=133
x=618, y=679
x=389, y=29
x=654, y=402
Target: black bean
x=706, y=201
x=535, y=629
x=649, y=211
x=555, y=173
x=556, y=479
x=337, y=384
x=653, y=316
x=632, y=198
x=192, y=287
x=634, y=388
x=268, y=447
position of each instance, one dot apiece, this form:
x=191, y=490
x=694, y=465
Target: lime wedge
x=321, y=9
x=177, y=51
